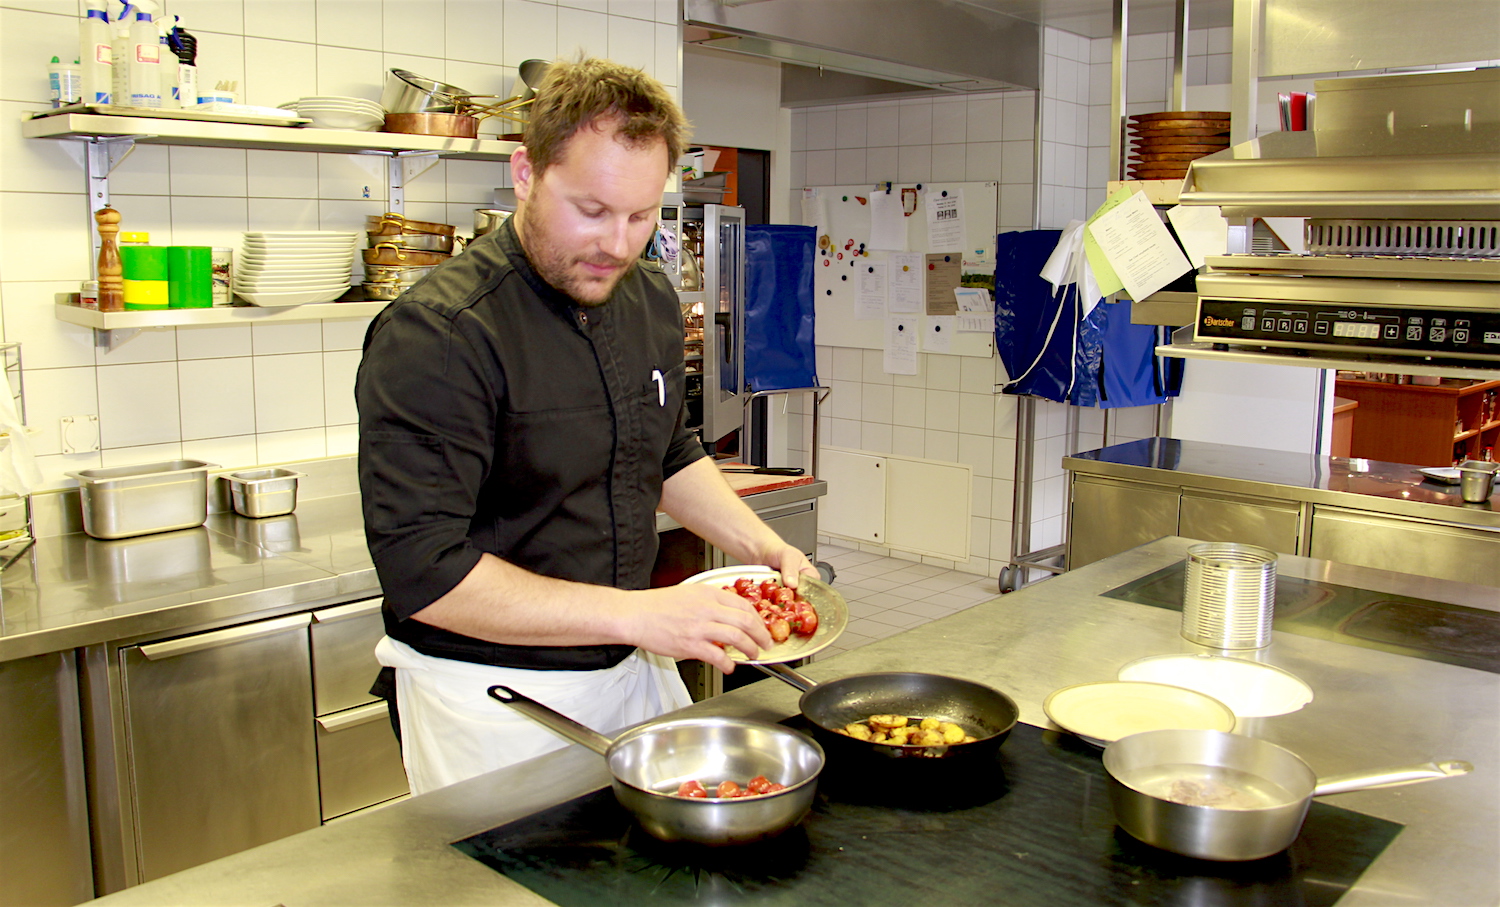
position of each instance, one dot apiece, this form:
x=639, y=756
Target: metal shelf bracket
x=404, y=167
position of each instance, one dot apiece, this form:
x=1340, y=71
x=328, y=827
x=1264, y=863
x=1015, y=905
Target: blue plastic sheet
x=779, y=353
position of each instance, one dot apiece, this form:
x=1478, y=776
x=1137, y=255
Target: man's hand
x=790, y=562
x=695, y=621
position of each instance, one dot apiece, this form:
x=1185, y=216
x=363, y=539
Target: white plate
x=296, y=259
x=289, y=286
x=344, y=119
x=1446, y=475
x=302, y=234
x=1104, y=712
x=265, y=267
x=1252, y=689
x=301, y=298
x=833, y=613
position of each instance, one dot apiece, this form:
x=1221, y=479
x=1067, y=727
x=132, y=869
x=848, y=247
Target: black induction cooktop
x=1042, y=833
x=1453, y=634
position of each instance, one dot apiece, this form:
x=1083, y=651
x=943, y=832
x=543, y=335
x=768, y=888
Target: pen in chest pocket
x=661, y=387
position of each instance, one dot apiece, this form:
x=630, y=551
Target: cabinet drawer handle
x=348, y=718
x=344, y=612
x=200, y=641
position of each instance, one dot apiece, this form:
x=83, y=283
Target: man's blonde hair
x=578, y=94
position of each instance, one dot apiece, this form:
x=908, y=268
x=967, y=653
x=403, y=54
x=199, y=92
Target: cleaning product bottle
x=185, y=49
x=63, y=80
x=166, y=66
x=119, y=37
x=96, y=54
x=137, y=56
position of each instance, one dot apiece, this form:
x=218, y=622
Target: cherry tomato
x=727, y=790
x=758, y=784
x=692, y=789
x=784, y=596
x=780, y=629
x=807, y=622
x=773, y=787
x=743, y=584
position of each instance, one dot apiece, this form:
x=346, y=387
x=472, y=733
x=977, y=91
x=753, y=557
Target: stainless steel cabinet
x=1108, y=517
x=1406, y=545
x=359, y=759
x=1223, y=517
x=44, y=823
x=221, y=754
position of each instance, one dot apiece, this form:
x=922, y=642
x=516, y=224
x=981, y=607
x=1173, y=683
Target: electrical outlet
x=80, y=434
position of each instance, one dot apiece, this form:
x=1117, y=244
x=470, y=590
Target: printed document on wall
x=870, y=295
x=905, y=282
x=945, y=221
x=902, y=339
x=938, y=335
x=887, y=223
x=976, y=311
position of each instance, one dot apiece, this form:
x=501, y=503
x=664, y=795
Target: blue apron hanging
x=1035, y=331
x=779, y=352
x=1051, y=350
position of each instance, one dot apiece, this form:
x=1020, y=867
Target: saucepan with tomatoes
x=801, y=621
x=706, y=780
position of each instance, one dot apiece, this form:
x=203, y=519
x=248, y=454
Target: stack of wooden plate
x=1162, y=144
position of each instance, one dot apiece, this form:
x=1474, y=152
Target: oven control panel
x=1425, y=331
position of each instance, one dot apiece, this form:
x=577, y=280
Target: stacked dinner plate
x=1163, y=144
x=332, y=112
x=294, y=267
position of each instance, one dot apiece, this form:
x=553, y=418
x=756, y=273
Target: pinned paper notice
x=1138, y=247
x=944, y=273
x=905, y=279
x=976, y=312
x=814, y=209
x=1201, y=229
x=938, y=337
x=887, y=222
x=945, y=221
x=1104, y=276
x=901, y=340
x=869, y=300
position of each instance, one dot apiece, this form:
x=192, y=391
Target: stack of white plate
x=331, y=112
x=294, y=267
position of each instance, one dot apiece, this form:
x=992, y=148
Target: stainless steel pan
x=1218, y=796
x=649, y=761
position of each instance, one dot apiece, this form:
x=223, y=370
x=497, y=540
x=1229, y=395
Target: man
x=520, y=423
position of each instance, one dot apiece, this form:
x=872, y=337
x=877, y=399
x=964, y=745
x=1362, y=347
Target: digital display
x=1361, y=329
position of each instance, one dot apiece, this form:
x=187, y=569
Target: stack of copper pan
x=1162, y=144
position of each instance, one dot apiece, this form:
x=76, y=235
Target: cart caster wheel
x=826, y=571
x=1008, y=577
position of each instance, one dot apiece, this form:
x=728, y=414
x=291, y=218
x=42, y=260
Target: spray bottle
x=166, y=66
x=185, y=50
x=63, y=79
x=137, y=57
x=96, y=54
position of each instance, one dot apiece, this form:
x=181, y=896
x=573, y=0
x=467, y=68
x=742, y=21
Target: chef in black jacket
x=521, y=419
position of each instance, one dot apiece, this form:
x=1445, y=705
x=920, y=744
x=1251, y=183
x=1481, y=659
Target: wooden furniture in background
x=1425, y=426
x=1343, y=426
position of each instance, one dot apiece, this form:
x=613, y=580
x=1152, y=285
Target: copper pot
x=393, y=255
x=390, y=224
x=455, y=125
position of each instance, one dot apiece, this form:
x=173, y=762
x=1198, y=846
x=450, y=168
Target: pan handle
x=784, y=673
x=1392, y=777
x=553, y=720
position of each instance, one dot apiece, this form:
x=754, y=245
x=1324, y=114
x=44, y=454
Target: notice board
x=847, y=211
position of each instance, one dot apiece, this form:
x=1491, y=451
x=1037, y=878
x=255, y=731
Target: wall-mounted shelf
x=227, y=314
x=152, y=131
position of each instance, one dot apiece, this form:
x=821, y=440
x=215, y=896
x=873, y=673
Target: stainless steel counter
x=71, y=590
x=1371, y=708
x=1393, y=488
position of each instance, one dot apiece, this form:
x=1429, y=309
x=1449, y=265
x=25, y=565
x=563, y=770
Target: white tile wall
x=242, y=395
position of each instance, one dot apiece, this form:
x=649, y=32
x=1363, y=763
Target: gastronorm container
x=126, y=501
x=263, y=492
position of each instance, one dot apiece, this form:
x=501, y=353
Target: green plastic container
x=144, y=262
x=190, y=281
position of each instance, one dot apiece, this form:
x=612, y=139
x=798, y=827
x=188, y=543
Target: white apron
x=452, y=730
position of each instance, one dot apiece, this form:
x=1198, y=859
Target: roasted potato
x=901, y=730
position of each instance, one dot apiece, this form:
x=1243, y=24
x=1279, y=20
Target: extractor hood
x=1399, y=182
x=941, y=45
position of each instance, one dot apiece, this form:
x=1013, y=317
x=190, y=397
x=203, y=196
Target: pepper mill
x=111, y=283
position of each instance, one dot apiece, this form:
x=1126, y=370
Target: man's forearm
x=700, y=499
x=500, y=602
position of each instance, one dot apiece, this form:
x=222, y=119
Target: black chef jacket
x=497, y=415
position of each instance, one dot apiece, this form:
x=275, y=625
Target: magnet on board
x=841, y=256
